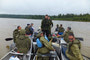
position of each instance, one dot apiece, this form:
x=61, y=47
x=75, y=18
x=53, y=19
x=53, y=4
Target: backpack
x=39, y=44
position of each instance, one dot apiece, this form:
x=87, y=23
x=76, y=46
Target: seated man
x=46, y=46
x=16, y=33
x=61, y=30
x=31, y=29
x=57, y=28
x=66, y=34
x=73, y=50
x=27, y=28
x=23, y=42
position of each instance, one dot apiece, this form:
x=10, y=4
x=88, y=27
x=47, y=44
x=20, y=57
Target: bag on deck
x=60, y=33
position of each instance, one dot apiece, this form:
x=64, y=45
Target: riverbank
x=67, y=17
x=53, y=19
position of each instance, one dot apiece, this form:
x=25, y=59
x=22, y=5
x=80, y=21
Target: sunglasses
x=70, y=38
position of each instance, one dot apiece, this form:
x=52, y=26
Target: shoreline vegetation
x=61, y=17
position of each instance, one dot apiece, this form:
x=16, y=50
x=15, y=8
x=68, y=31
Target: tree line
x=68, y=17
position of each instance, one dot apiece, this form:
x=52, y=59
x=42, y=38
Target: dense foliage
x=70, y=17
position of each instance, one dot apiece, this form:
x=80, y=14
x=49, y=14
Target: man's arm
x=69, y=56
x=76, y=51
x=41, y=24
x=46, y=43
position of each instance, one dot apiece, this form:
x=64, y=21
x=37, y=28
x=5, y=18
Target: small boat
x=21, y=56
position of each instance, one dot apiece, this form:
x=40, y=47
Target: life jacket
x=39, y=44
x=60, y=33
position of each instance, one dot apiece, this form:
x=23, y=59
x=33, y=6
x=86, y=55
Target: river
x=7, y=25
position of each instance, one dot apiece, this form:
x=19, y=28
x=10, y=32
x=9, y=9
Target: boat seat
x=51, y=54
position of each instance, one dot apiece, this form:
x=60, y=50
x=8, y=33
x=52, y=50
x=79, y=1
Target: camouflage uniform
x=57, y=28
x=66, y=34
x=15, y=34
x=47, y=47
x=23, y=42
x=45, y=26
x=27, y=30
x=51, y=25
x=73, y=51
x=61, y=29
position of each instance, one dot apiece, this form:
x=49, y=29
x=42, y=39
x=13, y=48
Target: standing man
x=73, y=50
x=51, y=25
x=45, y=26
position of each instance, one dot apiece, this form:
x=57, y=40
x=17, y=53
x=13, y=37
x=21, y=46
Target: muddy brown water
x=7, y=25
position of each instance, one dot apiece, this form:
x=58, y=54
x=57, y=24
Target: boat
x=32, y=53
x=21, y=56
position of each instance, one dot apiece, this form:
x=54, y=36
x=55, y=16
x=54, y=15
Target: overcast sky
x=42, y=7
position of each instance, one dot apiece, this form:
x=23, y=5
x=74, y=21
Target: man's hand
x=58, y=35
x=51, y=39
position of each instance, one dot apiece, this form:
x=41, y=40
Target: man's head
x=46, y=16
x=28, y=24
x=71, y=37
x=41, y=33
x=68, y=28
x=57, y=25
x=60, y=25
x=19, y=27
x=31, y=24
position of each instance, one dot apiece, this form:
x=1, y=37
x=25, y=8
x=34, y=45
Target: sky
x=42, y=7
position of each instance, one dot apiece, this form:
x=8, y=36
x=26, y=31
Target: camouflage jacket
x=66, y=34
x=47, y=46
x=15, y=34
x=45, y=24
x=73, y=50
x=61, y=29
x=23, y=42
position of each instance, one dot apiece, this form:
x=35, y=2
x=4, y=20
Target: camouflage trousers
x=42, y=58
